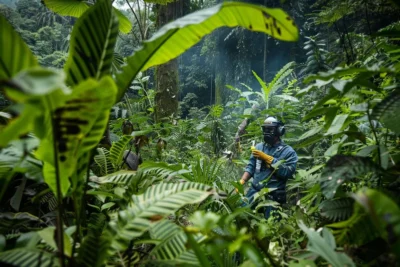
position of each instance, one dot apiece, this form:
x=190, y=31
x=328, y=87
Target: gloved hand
x=240, y=182
x=261, y=155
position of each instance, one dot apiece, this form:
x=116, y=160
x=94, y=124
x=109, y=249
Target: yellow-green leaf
x=78, y=127
x=73, y=8
x=125, y=25
x=178, y=36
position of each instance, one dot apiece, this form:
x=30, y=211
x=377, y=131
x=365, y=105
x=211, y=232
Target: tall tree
x=167, y=85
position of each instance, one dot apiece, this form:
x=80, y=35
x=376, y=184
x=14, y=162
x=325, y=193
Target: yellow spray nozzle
x=253, y=145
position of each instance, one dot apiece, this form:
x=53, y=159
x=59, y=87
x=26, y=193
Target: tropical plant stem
x=59, y=229
x=376, y=142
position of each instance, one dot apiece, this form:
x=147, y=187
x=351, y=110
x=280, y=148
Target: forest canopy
x=199, y=133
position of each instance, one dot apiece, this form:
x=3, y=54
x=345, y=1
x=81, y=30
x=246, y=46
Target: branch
x=137, y=19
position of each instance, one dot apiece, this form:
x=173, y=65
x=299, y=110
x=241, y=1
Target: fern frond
x=103, y=162
x=205, y=171
x=117, y=150
x=282, y=74
x=163, y=170
x=357, y=230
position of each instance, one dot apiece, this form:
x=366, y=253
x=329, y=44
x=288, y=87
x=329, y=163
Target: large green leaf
x=73, y=8
x=178, y=36
x=340, y=169
x=156, y=203
x=76, y=8
x=28, y=257
x=310, y=137
x=337, y=124
x=78, y=127
x=325, y=246
x=125, y=25
x=92, y=44
x=15, y=55
x=388, y=110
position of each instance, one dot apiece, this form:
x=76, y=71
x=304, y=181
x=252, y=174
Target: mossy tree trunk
x=167, y=78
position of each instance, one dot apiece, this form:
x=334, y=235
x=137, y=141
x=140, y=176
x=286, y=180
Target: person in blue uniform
x=263, y=157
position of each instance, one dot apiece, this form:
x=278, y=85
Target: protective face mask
x=269, y=135
x=269, y=138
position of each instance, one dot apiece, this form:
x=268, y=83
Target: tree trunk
x=167, y=78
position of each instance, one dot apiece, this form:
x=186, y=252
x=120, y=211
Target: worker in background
x=264, y=156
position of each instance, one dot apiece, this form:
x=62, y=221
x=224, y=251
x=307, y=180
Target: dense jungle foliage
x=84, y=82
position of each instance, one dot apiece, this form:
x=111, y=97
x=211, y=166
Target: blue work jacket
x=285, y=170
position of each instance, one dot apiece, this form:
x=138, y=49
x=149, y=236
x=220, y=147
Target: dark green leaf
x=92, y=47
x=337, y=209
x=340, y=169
x=319, y=111
x=388, y=110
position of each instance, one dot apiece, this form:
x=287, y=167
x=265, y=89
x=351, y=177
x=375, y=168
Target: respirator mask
x=269, y=134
